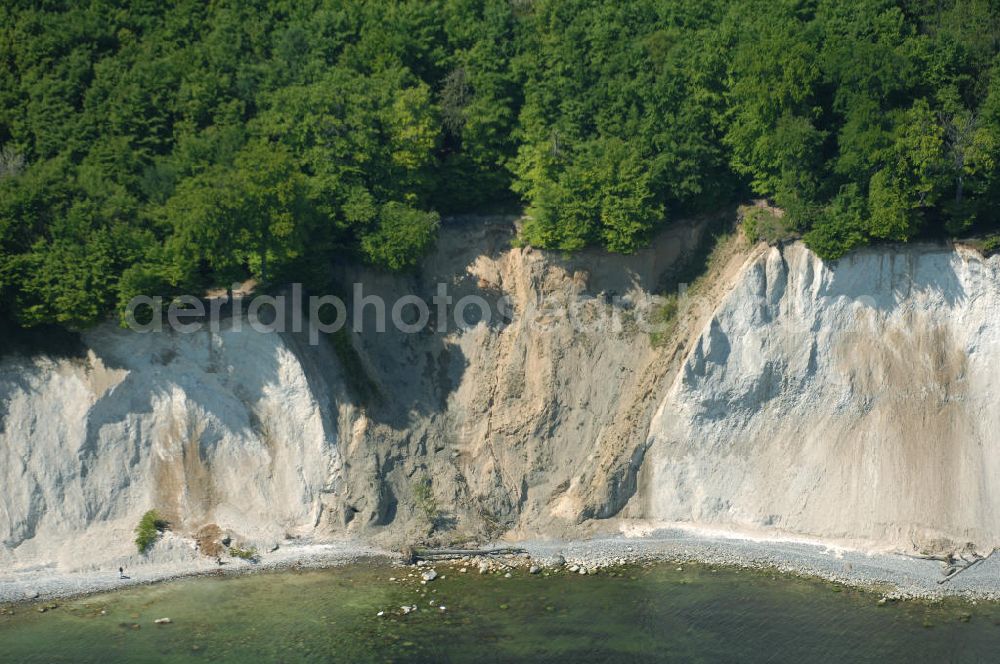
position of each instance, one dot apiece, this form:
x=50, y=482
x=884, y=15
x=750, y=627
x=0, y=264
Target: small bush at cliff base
x=148, y=530
x=245, y=554
x=423, y=496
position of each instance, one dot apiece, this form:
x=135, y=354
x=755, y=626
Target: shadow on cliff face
x=846, y=401
x=900, y=275
x=50, y=340
x=396, y=374
x=506, y=416
x=539, y=407
x=183, y=394
x=170, y=418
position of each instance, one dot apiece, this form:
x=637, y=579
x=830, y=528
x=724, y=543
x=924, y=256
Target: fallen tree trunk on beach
x=954, y=570
x=413, y=554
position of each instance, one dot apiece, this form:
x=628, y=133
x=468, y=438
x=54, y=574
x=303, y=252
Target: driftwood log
x=954, y=564
x=413, y=554
x=955, y=568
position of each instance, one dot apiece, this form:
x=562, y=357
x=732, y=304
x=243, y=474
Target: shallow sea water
x=639, y=614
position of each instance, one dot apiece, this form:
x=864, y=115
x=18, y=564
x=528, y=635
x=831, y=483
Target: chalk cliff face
x=855, y=402
x=207, y=428
x=852, y=401
x=529, y=421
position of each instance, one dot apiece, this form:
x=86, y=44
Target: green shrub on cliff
x=423, y=497
x=249, y=553
x=148, y=530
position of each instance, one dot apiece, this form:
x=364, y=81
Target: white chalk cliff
x=854, y=401
x=206, y=428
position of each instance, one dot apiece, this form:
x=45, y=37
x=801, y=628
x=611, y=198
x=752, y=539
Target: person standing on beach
x=121, y=572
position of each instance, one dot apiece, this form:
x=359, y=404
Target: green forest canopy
x=151, y=147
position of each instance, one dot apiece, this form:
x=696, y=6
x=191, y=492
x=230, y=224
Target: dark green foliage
x=401, y=235
x=168, y=147
x=622, y=118
x=148, y=530
x=162, y=148
x=840, y=227
x=868, y=119
x=990, y=245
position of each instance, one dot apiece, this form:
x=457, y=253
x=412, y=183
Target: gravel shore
x=893, y=575
x=47, y=583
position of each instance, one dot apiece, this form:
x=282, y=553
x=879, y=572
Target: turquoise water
x=637, y=615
